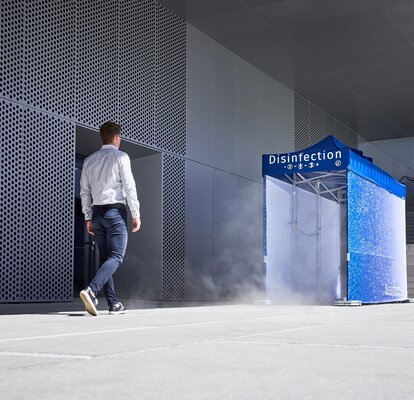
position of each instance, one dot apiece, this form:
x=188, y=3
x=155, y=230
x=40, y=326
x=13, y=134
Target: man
x=106, y=186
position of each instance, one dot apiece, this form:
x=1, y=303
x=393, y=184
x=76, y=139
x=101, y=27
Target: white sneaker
x=117, y=308
x=89, y=300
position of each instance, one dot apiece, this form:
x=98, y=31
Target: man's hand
x=136, y=224
x=89, y=227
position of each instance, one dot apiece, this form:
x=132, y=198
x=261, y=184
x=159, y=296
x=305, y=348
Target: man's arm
x=86, y=199
x=128, y=183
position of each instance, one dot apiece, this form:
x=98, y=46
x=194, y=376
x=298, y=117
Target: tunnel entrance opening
x=139, y=275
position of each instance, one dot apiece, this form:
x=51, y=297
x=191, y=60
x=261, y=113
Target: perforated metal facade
x=11, y=168
x=49, y=56
x=47, y=222
x=77, y=62
x=11, y=49
x=301, y=122
x=96, y=61
x=170, y=116
x=316, y=124
x=137, y=79
x=37, y=205
x=313, y=124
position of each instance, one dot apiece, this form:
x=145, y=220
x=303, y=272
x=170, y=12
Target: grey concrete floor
x=208, y=352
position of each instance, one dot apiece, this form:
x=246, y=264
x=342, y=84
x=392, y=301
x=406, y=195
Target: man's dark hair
x=108, y=131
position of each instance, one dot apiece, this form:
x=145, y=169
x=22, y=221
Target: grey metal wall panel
x=140, y=274
x=49, y=60
x=170, y=92
x=12, y=202
x=200, y=96
x=48, y=187
x=11, y=49
x=381, y=157
x=225, y=110
x=269, y=104
x=137, y=61
x=248, y=158
x=401, y=150
x=224, y=239
x=173, y=227
x=260, y=118
x=249, y=278
x=97, y=62
x=226, y=220
x=199, y=282
x=268, y=114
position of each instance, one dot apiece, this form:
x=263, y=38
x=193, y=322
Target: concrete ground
x=208, y=352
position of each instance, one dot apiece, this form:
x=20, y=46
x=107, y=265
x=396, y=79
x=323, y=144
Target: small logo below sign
x=338, y=163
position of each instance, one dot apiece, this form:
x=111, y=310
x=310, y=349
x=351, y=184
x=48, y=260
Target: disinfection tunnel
x=334, y=227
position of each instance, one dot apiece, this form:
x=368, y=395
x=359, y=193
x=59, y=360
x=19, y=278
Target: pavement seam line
x=8, y=340
x=356, y=346
x=45, y=355
x=300, y=328
x=136, y=329
x=141, y=328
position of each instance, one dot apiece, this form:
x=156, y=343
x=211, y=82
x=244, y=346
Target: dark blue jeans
x=111, y=235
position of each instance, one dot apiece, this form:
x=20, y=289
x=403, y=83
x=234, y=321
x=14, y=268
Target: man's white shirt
x=107, y=179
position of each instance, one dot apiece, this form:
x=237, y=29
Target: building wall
x=235, y=113
x=79, y=63
x=394, y=156
x=210, y=114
